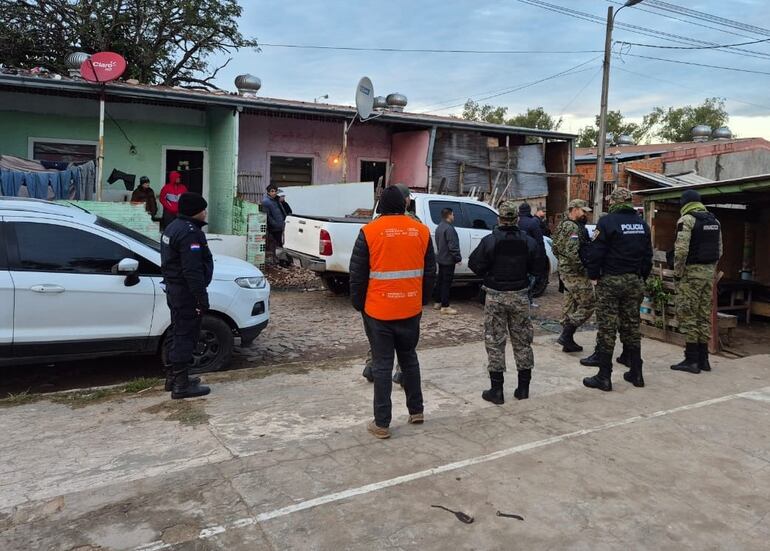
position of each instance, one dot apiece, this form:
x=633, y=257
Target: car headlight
x=252, y=282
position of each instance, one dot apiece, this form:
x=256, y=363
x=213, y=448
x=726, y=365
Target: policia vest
x=704, y=241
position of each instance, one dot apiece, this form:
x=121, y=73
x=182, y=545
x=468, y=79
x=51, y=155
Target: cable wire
x=699, y=64
x=424, y=50
x=576, y=96
x=662, y=46
x=703, y=16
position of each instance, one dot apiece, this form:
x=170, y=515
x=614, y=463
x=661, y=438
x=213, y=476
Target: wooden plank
x=665, y=336
x=760, y=308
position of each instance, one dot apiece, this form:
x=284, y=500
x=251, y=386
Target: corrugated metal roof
x=261, y=104
x=674, y=180
x=758, y=182
x=660, y=148
x=622, y=157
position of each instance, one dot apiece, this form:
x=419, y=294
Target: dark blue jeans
x=443, y=284
x=389, y=339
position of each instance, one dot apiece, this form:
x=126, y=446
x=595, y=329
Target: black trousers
x=185, y=324
x=388, y=340
x=443, y=284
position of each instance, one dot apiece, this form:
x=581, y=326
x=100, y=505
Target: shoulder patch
x=166, y=239
x=595, y=234
x=195, y=246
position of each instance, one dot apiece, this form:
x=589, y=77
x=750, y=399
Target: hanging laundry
x=37, y=184
x=11, y=182
x=61, y=183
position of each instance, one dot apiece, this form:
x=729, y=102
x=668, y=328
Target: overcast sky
x=435, y=80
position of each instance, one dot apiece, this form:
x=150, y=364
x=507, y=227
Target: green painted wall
x=222, y=125
x=149, y=138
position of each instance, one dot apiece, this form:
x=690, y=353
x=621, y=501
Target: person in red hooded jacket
x=169, y=197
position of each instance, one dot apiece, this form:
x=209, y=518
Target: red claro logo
x=103, y=67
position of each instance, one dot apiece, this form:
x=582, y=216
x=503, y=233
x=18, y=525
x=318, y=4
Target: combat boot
x=182, y=387
x=591, y=361
x=703, y=356
x=634, y=358
x=170, y=381
x=522, y=391
x=567, y=339
x=495, y=393
x=690, y=362
x=624, y=358
x=603, y=379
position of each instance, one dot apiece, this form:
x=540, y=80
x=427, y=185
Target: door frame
x=205, y=151
x=362, y=160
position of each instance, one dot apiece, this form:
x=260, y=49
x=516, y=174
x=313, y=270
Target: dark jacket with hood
x=506, y=258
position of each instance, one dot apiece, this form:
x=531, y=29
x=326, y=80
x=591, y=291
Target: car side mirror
x=130, y=267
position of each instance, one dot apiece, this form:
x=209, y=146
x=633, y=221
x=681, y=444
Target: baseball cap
x=509, y=210
x=579, y=204
x=620, y=195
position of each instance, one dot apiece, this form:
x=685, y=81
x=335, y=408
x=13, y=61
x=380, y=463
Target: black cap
x=689, y=196
x=144, y=180
x=391, y=201
x=191, y=204
x=525, y=209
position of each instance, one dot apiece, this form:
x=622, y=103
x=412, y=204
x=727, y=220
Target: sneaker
x=437, y=306
x=416, y=419
x=449, y=311
x=378, y=432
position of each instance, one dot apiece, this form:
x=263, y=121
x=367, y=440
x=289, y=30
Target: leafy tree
x=617, y=125
x=675, y=123
x=532, y=118
x=164, y=42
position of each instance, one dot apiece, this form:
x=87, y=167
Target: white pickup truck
x=325, y=244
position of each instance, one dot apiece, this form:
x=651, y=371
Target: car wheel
x=337, y=284
x=215, y=346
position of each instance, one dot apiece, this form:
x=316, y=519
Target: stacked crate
x=249, y=221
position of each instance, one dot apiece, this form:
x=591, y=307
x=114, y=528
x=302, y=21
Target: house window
x=69, y=151
x=291, y=171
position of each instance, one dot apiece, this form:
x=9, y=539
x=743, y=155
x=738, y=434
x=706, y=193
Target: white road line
x=361, y=490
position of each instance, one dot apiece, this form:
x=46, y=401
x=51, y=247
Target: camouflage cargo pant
x=579, y=302
x=507, y=313
x=693, y=302
x=618, y=298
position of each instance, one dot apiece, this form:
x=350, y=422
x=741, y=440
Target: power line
x=691, y=47
x=423, y=50
x=679, y=84
x=523, y=86
x=576, y=96
x=636, y=28
x=699, y=64
x=703, y=16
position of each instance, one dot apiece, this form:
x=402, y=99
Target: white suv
x=74, y=285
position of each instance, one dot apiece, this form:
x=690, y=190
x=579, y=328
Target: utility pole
x=601, y=151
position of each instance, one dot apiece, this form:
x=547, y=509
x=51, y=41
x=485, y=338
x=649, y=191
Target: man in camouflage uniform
x=697, y=250
x=570, y=238
x=506, y=259
x=398, y=376
x=618, y=261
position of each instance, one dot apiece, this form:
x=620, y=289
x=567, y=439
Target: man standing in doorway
x=448, y=245
x=618, y=261
x=697, y=250
x=187, y=267
x=276, y=219
x=391, y=275
x=169, y=198
x=506, y=259
x=569, y=242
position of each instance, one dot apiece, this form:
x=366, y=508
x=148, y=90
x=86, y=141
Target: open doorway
x=190, y=164
x=373, y=170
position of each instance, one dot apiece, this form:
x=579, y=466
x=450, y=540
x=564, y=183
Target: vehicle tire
x=214, y=350
x=337, y=284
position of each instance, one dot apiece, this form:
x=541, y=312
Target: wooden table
x=735, y=286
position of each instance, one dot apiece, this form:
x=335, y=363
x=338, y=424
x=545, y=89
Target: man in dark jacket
x=618, y=261
x=145, y=194
x=506, y=259
x=187, y=267
x=448, y=245
x=532, y=226
x=540, y=215
x=276, y=218
x=392, y=269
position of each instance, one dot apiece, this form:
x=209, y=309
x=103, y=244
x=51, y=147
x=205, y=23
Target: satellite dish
x=103, y=67
x=364, y=98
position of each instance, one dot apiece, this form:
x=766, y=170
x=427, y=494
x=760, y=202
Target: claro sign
x=103, y=67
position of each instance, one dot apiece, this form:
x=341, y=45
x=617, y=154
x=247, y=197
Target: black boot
x=182, y=386
x=703, y=356
x=170, y=381
x=367, y=373
x=495, y=394
x=522, y=391
x=690, y=362
x=603, y=379
x=624, y=358
x=567, y=339
x=591, y=361
x=634, y=358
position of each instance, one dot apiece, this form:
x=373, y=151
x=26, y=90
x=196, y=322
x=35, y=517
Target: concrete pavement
x=280, y=459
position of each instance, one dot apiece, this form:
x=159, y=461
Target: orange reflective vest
x=397, y=246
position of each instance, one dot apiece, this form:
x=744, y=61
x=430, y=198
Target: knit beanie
x=391, y=201
x=689, y=196
x=191, y=204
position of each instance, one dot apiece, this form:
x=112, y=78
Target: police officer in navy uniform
x=187, y=267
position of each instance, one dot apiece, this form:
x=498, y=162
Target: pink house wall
x=410, y=150
x=263, y=136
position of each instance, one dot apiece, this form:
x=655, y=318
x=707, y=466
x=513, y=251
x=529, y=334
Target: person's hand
x=594, y=282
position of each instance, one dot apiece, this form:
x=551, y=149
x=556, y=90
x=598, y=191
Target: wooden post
x=714, y=344
x=461, y=184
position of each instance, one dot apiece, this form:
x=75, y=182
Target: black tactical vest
x=509, y=271
x=704, y=242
